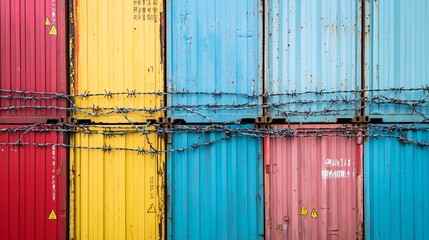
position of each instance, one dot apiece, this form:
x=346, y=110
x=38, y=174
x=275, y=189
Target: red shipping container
x=32, y=59
x=32, y=184
x=313, y=184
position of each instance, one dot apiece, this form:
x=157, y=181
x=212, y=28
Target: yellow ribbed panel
x=117, y=194
x=118, y=48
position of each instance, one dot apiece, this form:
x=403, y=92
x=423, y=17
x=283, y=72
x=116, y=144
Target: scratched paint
x=214, y=46
x=32, y=59
x=116, y=194
x=313, y=185
x=32, y=185
x=312, y=45
x=119, y=48
x=396, y=56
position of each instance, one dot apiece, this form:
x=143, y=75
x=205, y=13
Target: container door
x=117, y=191
x=396, y=59
x=32, y=183
x=119, y=65
x=32, y=60
x=214, y=46
x=215, y=191
x=313, y=59
x=396, y=185
x=313, y=185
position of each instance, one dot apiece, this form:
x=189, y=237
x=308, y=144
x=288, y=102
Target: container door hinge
x=361, y=119
x=165, y=122
x=263, y=122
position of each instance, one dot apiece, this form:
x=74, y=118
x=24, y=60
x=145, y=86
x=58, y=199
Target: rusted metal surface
x=312, y=186
x=214, y=46
x=312, y=45
x=396, y=56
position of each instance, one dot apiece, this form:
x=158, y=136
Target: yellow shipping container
x=118, y=52
x=116, y=194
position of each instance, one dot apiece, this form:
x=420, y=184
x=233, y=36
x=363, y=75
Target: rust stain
x=74, y=46
x=162, y=33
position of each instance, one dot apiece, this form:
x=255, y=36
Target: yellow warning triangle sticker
x=304, y=210
x=53, y=30
x=151, y=209
x=47, y=22
x=314, y=214
x=52, y=216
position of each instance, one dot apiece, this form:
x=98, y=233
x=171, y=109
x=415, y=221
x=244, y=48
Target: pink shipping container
x=32, y=59
x=313, y=184
x=32, y=184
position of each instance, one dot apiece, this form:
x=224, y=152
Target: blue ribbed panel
x=215, y=192
x=397, y=56
x=313, y=45
x=396, y=187
x=214, y=46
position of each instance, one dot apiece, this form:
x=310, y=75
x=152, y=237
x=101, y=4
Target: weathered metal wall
x=313, y=184
x=396, y=56
x=32, y=59
x=32, y=184
x=116, y=194
x=118, y=49
x=312, y=46
x=215, y=191
x=214, y=46
x=396, y=186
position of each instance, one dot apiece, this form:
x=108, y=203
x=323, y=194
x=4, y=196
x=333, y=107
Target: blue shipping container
x=214, y=46
x=396, y=192
x=215, y=192
x=397, y=55
x=313, y=45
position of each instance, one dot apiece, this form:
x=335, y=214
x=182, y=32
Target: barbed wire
x=334, y=106
x=394, y=131
x=134, y=92
x=305, y=105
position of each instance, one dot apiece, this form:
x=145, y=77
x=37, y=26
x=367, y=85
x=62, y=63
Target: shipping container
x=313, y=59
x=396, y=57
x=118, y=62
x=214, y=54
x=396, y=184
x=313, y=183
x=117, y=191
x=215, y=191
x=33, y=73
x=32, y=183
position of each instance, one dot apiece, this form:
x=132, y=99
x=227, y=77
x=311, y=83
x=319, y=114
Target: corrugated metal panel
x=116, y=194
x=214, y=46
x=215, y=192
x=396, y=56
x=313, y=184
x=32, y=184
x=32, y=59
x=396, y=187
x=312, y=46
x=119, y=49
